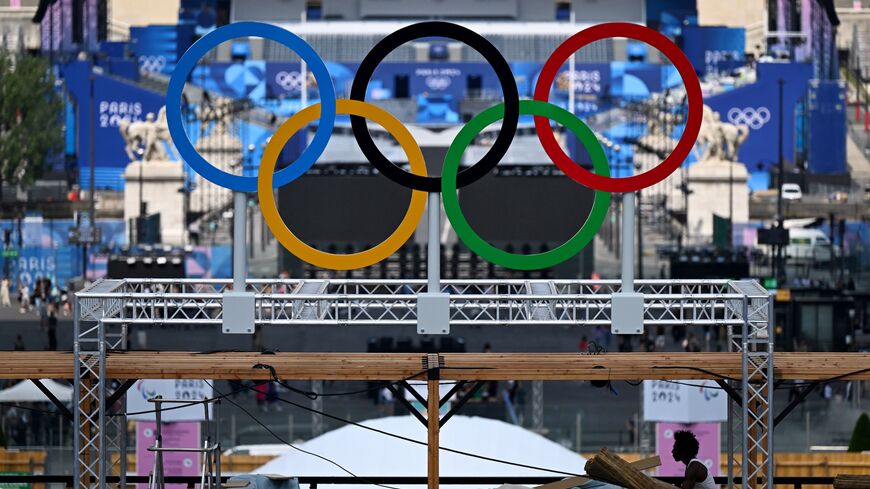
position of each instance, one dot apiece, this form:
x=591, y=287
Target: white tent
x=26, y=391
x=366, y=453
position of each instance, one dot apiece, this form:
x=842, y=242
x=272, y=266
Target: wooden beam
x=433, y=416
x=457, y=366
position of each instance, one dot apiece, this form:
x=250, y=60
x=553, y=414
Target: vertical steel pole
x=77, y=389
x=217, y=441
x=744, y=381
x=780, y=262
x=101, y=405
x=122, y=425
x=158, y=461
x=730, y=442
x=628, y=242
x=769, y=381
x=240, y=265
x=433, y=258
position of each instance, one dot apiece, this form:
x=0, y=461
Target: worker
x=685, y=450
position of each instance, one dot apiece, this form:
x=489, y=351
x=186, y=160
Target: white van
x=808, y=246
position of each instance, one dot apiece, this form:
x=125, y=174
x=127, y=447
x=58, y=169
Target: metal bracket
x=732, y=392
x=407, y=404
x=455, y=409
x=413, y=392
x=54, y=400
x=119, y=392
x=788, y=409
x=433, y=361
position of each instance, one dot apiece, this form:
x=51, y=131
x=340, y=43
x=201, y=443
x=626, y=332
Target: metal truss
x=361, y=302
x=751, y=420
x=105, y=309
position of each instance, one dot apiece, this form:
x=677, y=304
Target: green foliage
x=861, y=436
x=30, y=118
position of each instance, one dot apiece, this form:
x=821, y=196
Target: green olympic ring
x=477, y=244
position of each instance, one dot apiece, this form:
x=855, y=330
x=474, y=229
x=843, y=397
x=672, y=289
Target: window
x=563, y=11
x=402, y=89
x=313, y=10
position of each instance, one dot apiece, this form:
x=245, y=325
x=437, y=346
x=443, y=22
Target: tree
x=861, y=436
x=31, y=130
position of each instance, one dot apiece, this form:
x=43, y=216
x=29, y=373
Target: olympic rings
x=452, y=178
x=693, y=92
x=750, y=116
x=295, y=245
x=514, y=260
x=472, y=39
x=185, y=66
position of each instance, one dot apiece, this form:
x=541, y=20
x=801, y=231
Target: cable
x=314, y=395
x=417, y=442
x=282, y=440
x=36, y=410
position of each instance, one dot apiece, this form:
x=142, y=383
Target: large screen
x=352, y=207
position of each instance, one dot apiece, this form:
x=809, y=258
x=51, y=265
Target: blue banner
x=827, y=128
x=756, y=106
x=714, y=49
x=157, y=48
x=115, y=102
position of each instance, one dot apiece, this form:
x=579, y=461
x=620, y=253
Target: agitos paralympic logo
x=451, y=179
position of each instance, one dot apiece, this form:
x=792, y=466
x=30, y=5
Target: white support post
x=433, y=306
x=238, y=303
x=240, y=262
x=628, y=242
x=626, y=306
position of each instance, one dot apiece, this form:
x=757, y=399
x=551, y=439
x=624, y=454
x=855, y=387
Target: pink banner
x=708, y=439
x=183, y=434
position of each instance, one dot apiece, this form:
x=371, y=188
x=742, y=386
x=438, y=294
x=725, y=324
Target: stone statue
x=143, y=140
x=718, y=140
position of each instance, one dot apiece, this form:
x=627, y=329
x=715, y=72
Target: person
x=490, y=392
x=52, y=327
x=262, y=392
x=193, y=231
x=24, y=297
x=660, y=339
x=685, y=450
x=4, y=292
x=584, y=345
x=690, y=344
x=19, y=343
x=386, y=401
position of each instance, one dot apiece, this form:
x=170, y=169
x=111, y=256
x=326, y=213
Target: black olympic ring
x=490, y=54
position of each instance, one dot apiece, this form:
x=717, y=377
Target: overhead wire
x=418, y=442
x=291, y=445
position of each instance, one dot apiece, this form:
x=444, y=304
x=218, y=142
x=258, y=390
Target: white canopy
x=26, y=391
x=366, y=453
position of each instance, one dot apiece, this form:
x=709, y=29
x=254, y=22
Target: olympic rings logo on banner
x=452, y=178
x=289, y=80
x=753, y=117
x=152, y=64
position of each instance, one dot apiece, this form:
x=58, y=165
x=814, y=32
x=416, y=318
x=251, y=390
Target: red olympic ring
x=693, y=92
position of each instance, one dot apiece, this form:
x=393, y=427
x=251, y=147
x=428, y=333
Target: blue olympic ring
x=185, y=66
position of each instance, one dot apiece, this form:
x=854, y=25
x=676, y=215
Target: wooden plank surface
x=457, y=366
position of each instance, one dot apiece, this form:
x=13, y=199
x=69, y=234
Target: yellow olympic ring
x=331, y=260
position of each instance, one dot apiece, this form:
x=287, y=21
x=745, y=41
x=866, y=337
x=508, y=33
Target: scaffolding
x=105, y=309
